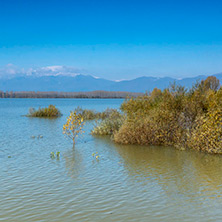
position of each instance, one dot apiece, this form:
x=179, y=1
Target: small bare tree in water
x=74, y=126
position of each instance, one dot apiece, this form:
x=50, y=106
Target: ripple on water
x=127, y=183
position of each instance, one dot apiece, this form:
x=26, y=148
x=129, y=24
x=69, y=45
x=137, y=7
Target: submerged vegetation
x=50, y=111
x=53, y=155
x=175, y=116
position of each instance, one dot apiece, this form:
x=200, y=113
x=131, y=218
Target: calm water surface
x=127, y=183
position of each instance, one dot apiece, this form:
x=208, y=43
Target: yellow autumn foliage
x=175, y=116
x=73, y=126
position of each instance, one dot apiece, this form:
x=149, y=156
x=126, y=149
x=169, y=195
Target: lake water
x=127, y=183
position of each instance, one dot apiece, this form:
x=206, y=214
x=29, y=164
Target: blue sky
x=114, y=39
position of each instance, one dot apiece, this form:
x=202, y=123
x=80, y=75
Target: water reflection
x=189, y=174
x=73, y=162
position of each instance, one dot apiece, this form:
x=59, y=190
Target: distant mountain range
x=79, y=82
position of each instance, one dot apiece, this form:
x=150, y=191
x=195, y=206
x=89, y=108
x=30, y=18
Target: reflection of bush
x=176, y=172
x=50, y=111
x=73, y=162
x=175, y=117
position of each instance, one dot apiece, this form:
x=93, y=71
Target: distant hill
x=81, y=83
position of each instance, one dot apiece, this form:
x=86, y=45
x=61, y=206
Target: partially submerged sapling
x=52, y=155
x=95, y=155
x=73, y=126
x=38, y=137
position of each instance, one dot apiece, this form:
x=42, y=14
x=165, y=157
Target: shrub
x=207, y=129
x=176, y=117
x=50, y=111
x=88, y=114
x=107, y=126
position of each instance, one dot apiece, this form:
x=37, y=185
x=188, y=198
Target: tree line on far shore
x=92, y=94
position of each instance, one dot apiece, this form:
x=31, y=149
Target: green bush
x=50, y=111
x=107, y=126
x=88, y=114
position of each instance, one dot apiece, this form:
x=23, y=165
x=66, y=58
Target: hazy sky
x=114, y=39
